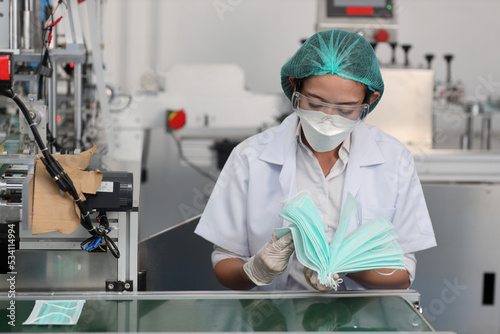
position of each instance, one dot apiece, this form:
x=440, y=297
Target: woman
x=333, y=81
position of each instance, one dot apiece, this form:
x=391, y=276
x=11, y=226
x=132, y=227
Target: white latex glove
x=271, y=260
x=313, y=280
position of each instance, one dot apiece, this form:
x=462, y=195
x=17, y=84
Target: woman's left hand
x=313, y=280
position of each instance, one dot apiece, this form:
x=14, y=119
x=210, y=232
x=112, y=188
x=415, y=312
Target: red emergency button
x=5, y=68
x=176, y=119
x=382, y=36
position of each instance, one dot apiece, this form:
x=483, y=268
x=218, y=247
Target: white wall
x=258, y=35
x=150, y=35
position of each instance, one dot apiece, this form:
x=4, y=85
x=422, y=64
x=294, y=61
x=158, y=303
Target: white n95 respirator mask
x=326, y=125
x=324, y=132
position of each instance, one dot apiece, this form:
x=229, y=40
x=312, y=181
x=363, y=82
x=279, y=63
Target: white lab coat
x=259, y=177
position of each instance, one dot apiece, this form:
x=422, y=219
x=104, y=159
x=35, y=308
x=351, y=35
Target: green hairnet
x=344, y=53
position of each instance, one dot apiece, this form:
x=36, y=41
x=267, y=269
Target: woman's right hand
x=271, y=260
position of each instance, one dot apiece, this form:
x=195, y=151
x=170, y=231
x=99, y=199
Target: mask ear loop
x=367, y=101
x=385, y=274
x=333, y=282
x=59, y=306
x=53, y=313
x=295, y=102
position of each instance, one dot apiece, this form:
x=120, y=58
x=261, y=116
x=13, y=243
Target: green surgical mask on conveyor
x=371, y=246
x=55, y=312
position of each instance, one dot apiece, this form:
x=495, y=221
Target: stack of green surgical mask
x=371, y=246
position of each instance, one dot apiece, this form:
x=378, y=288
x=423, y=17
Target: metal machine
x=60, y=109
x=376, y=20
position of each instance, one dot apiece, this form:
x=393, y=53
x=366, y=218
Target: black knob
x=448, y=57
x=393, y=47
x=429, y=57
x=406, y=48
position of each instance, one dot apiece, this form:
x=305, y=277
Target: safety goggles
x=352, y=112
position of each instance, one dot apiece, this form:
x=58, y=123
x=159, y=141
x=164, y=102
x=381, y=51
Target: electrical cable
x=52, y=141
x=95, y=243
x=64, y=182
x=44, y=57
x=53, y=167
x=189, y=163
x=44, y=69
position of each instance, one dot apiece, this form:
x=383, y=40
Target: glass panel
x=378, y=313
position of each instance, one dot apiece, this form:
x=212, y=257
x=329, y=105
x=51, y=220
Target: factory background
x=259, y=36
x=218, y=61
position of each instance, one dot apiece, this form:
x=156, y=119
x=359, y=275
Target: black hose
x=53, y=167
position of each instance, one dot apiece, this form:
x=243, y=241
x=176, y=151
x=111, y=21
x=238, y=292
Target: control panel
x=373, y=19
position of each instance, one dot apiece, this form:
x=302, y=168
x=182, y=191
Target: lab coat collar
x=281, y=143
x=281, y=150
x=364, y=148
x=364, y=152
